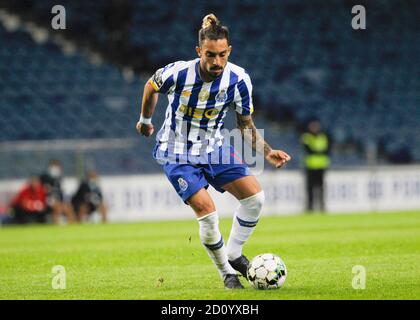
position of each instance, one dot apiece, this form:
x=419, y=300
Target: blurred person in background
x=316, y=147
x=29, y=205
x=89, y=199
x=51, y=180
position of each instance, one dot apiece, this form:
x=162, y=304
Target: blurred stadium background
x=75, y=94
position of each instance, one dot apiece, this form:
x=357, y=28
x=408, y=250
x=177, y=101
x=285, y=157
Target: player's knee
x=255, y=202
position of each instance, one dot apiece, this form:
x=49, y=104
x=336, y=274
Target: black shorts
x=22, y=216
x=91, y=207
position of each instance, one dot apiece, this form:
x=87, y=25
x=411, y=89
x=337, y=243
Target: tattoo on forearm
x=251, y=134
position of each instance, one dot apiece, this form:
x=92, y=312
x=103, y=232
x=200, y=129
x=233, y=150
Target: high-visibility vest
x=317, y=158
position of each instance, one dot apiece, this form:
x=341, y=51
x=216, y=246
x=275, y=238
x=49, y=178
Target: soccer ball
x=267, y=271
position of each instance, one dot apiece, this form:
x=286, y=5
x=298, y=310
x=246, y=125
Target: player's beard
x=215, y=72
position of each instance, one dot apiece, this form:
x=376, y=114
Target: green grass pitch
x=165, y=260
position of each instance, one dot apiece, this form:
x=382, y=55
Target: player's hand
x=277, y=158
x=145, y=129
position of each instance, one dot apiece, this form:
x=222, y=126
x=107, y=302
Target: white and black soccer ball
x=267, y=271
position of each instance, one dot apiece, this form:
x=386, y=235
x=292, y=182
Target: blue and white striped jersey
x=196, y=109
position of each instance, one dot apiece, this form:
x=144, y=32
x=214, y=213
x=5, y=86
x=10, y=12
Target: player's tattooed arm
x=251, y=135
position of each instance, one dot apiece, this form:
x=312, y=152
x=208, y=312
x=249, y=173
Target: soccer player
x=200, y=92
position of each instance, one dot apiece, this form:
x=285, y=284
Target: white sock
x=212, y=240
x=244, y=222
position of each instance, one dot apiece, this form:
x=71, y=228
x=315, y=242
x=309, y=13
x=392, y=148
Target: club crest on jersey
x=221, y=96
x=203, y=95
x=183, y=185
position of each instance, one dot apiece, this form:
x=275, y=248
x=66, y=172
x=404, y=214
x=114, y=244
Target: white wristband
x=145, y=120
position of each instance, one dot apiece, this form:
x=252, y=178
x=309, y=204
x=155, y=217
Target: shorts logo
x=221, y=96
x=183, y=185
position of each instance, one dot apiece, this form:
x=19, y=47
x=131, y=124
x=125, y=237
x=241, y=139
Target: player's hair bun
x=210, y=20
x=212, y=29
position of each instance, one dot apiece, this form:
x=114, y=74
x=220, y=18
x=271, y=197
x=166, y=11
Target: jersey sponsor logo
x=221, y=96
x=196, y=113
x=183, y=185
x=186, y=93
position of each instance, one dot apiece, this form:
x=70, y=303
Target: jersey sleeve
x=163, y=79
x=243, y=96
